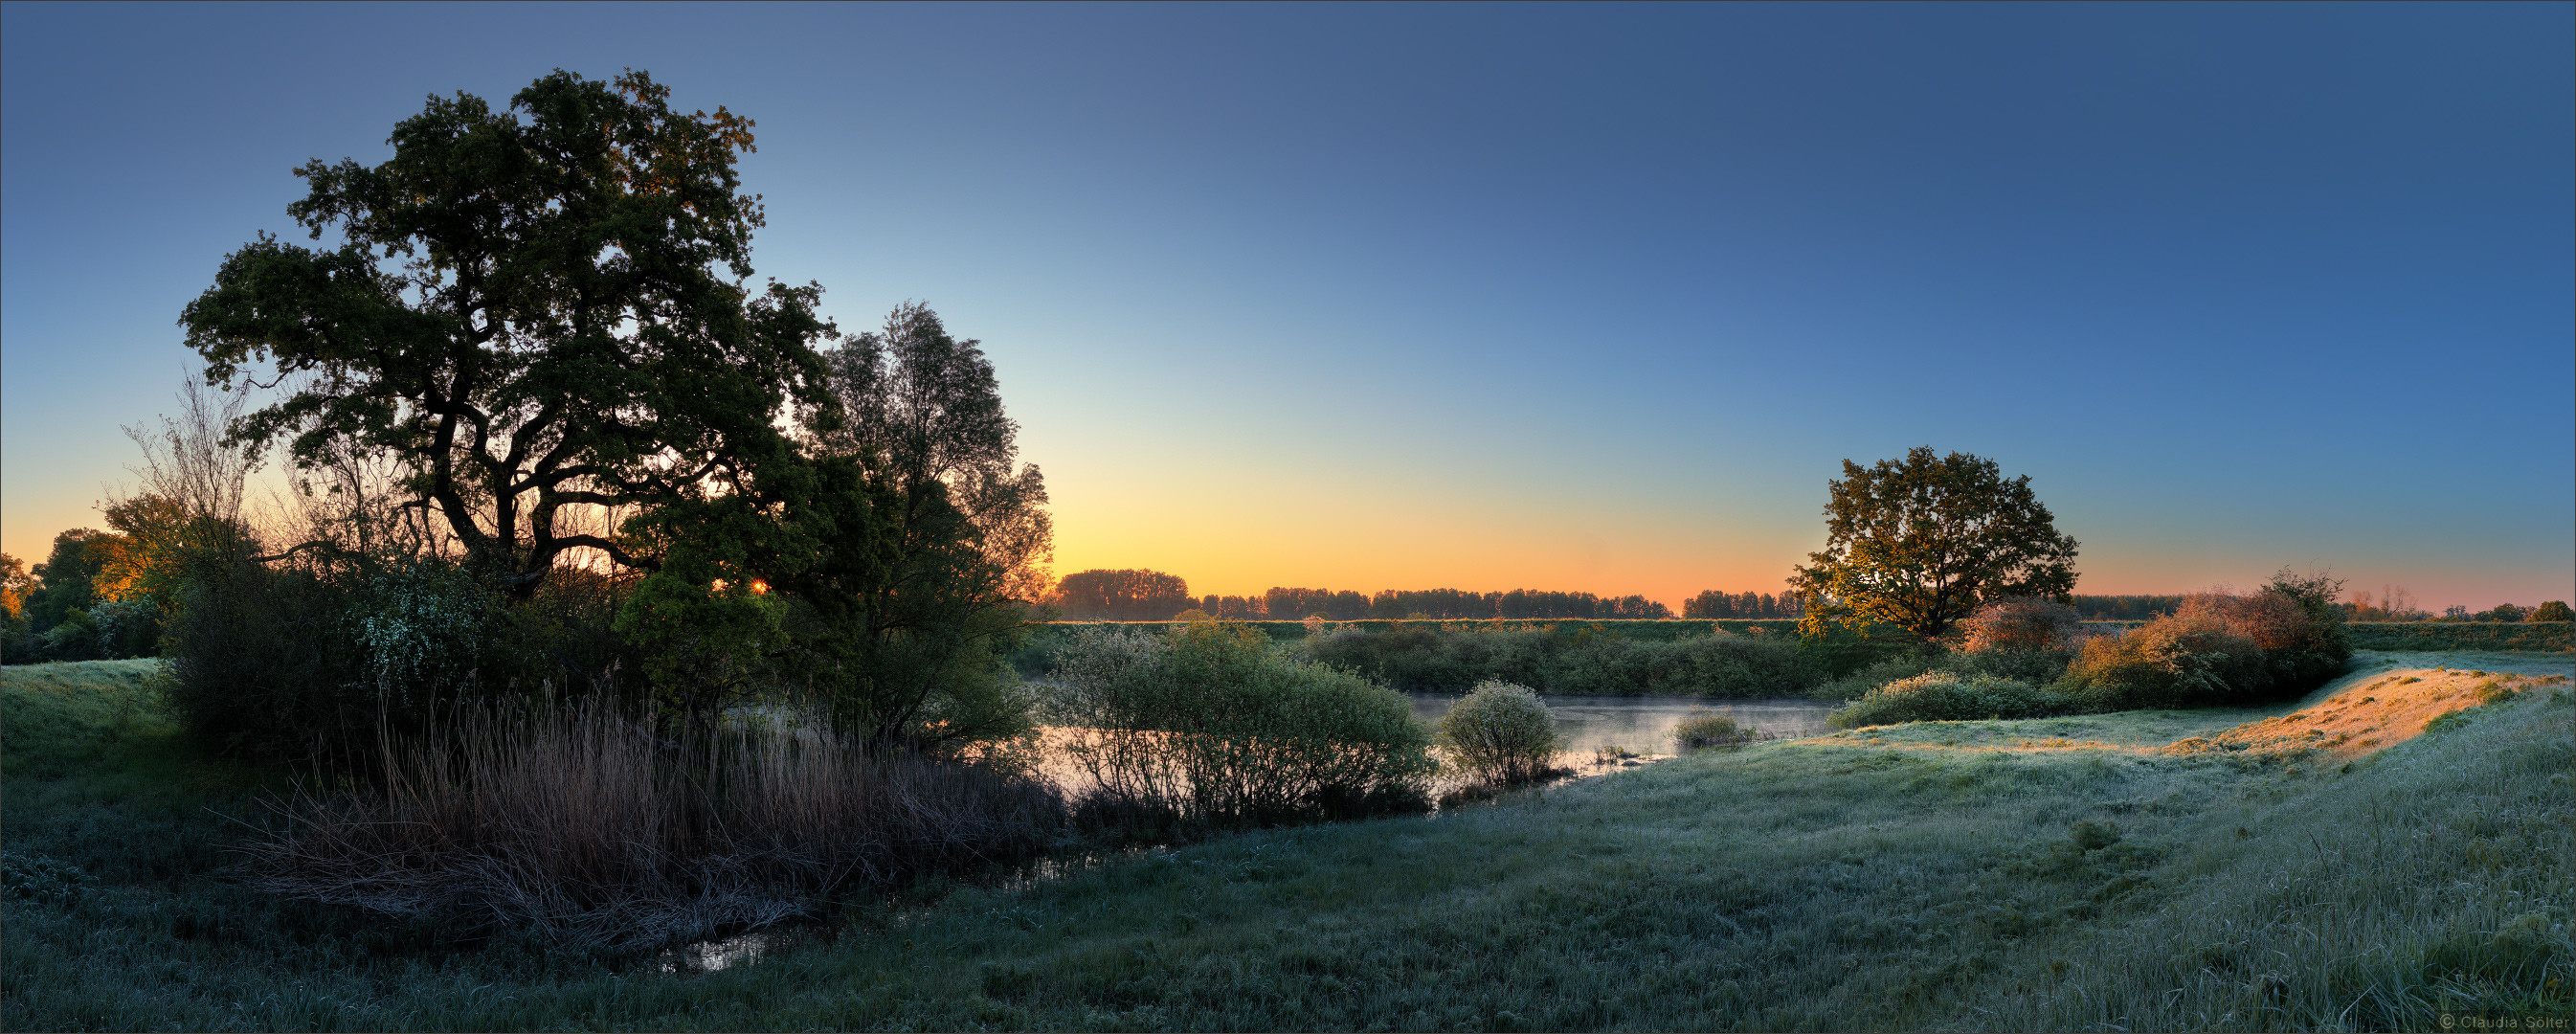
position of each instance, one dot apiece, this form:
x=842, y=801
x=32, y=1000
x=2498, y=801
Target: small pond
x=1645, y=724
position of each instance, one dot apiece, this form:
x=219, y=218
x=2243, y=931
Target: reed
x=581, y=827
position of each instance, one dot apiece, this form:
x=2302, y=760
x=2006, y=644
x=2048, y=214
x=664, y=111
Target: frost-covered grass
x=1827, y=884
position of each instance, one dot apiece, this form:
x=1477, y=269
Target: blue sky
x=1570, y=297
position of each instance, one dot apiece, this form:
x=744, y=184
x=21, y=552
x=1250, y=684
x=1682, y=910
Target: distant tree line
x=1127, y=595
x=1715, y=605
x=2126, y=608
x=2393, y=603
x=100, y=594
x=1141, y=595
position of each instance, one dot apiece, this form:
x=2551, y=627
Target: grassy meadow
x=2058, y=874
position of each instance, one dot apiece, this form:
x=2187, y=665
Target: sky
x=1582, y=298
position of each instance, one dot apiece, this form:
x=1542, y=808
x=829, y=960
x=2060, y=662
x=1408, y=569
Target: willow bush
x=1941, y=696
x=1501, y=733
x=1209, y=725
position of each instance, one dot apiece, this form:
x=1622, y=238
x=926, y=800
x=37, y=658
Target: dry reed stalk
x=581, y=827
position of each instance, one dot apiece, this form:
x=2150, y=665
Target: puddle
x=742, y=949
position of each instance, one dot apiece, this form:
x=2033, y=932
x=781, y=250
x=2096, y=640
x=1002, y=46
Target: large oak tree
x=540, y=310
x=1921, y=542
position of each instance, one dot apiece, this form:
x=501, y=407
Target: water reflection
x=710, y=956
x=1645, y=724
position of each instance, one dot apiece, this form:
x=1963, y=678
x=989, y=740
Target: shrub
x=1210, y=725
x=2218, y=649
x=1869, y=677
x=1699, y=730
x=2022, y=623
x=2187, y=659
x=1577, y=660
x=308, y=658
x=2554, y=610
x=1501, y=733
x=1939, y=696
x=2037, y=667
x=34, y=877
x=579, y=826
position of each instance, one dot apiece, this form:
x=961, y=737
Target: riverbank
x=1834, y=883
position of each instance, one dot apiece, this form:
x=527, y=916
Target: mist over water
x=1645, y=724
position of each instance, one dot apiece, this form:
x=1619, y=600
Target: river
x=1644, y=725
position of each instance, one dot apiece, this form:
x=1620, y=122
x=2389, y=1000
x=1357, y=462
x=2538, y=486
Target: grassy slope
x=1824, y=884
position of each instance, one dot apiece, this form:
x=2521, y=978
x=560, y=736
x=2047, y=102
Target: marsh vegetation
x=2059, y=873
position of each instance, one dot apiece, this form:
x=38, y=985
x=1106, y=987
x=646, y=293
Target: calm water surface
x=1645, y=724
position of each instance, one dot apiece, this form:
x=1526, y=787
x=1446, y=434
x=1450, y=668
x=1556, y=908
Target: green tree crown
x=1919, y=543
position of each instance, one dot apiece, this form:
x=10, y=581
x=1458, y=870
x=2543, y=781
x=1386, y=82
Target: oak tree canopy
x=1920, y=543
x=536, y=310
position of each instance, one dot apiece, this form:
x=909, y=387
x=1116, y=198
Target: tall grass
x=580, y=827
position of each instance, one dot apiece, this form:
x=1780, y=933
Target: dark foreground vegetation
x=1928, y=875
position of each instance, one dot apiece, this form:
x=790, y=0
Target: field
x=2101, y=872
x=1653, y=631
x=2463, y=635
x=2367, y=635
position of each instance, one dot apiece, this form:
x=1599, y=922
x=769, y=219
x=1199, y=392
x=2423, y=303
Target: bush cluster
x=1700, y=730
x=2024, y=658
x=1941, y=696
x=1573, y=661
x=2218, y=649
x=1210, y=725
x=1501, y=733
x=310, y=658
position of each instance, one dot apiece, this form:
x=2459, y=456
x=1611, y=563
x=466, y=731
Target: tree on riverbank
x=1919, y=543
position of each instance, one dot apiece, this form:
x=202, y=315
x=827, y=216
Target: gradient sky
x=1566, y=297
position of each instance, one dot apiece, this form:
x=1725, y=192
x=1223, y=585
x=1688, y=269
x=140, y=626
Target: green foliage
x=1920, y=543
x=1860, y=681
x=2219, y=649
x=65, y=582
x=1132, y=595
x=2192, y=659
x=2554, y=610
x=2461, y=635
x=1701, y=730
x=1713, y=604
x=931, y=543
x=1210, y=725
x=2037, y=667
x=311, y=658
x=1940, y=696
x=538, y=311
x=2023, y=624
x=1574, y=659
x=1501, y=733
x=2125, y=607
